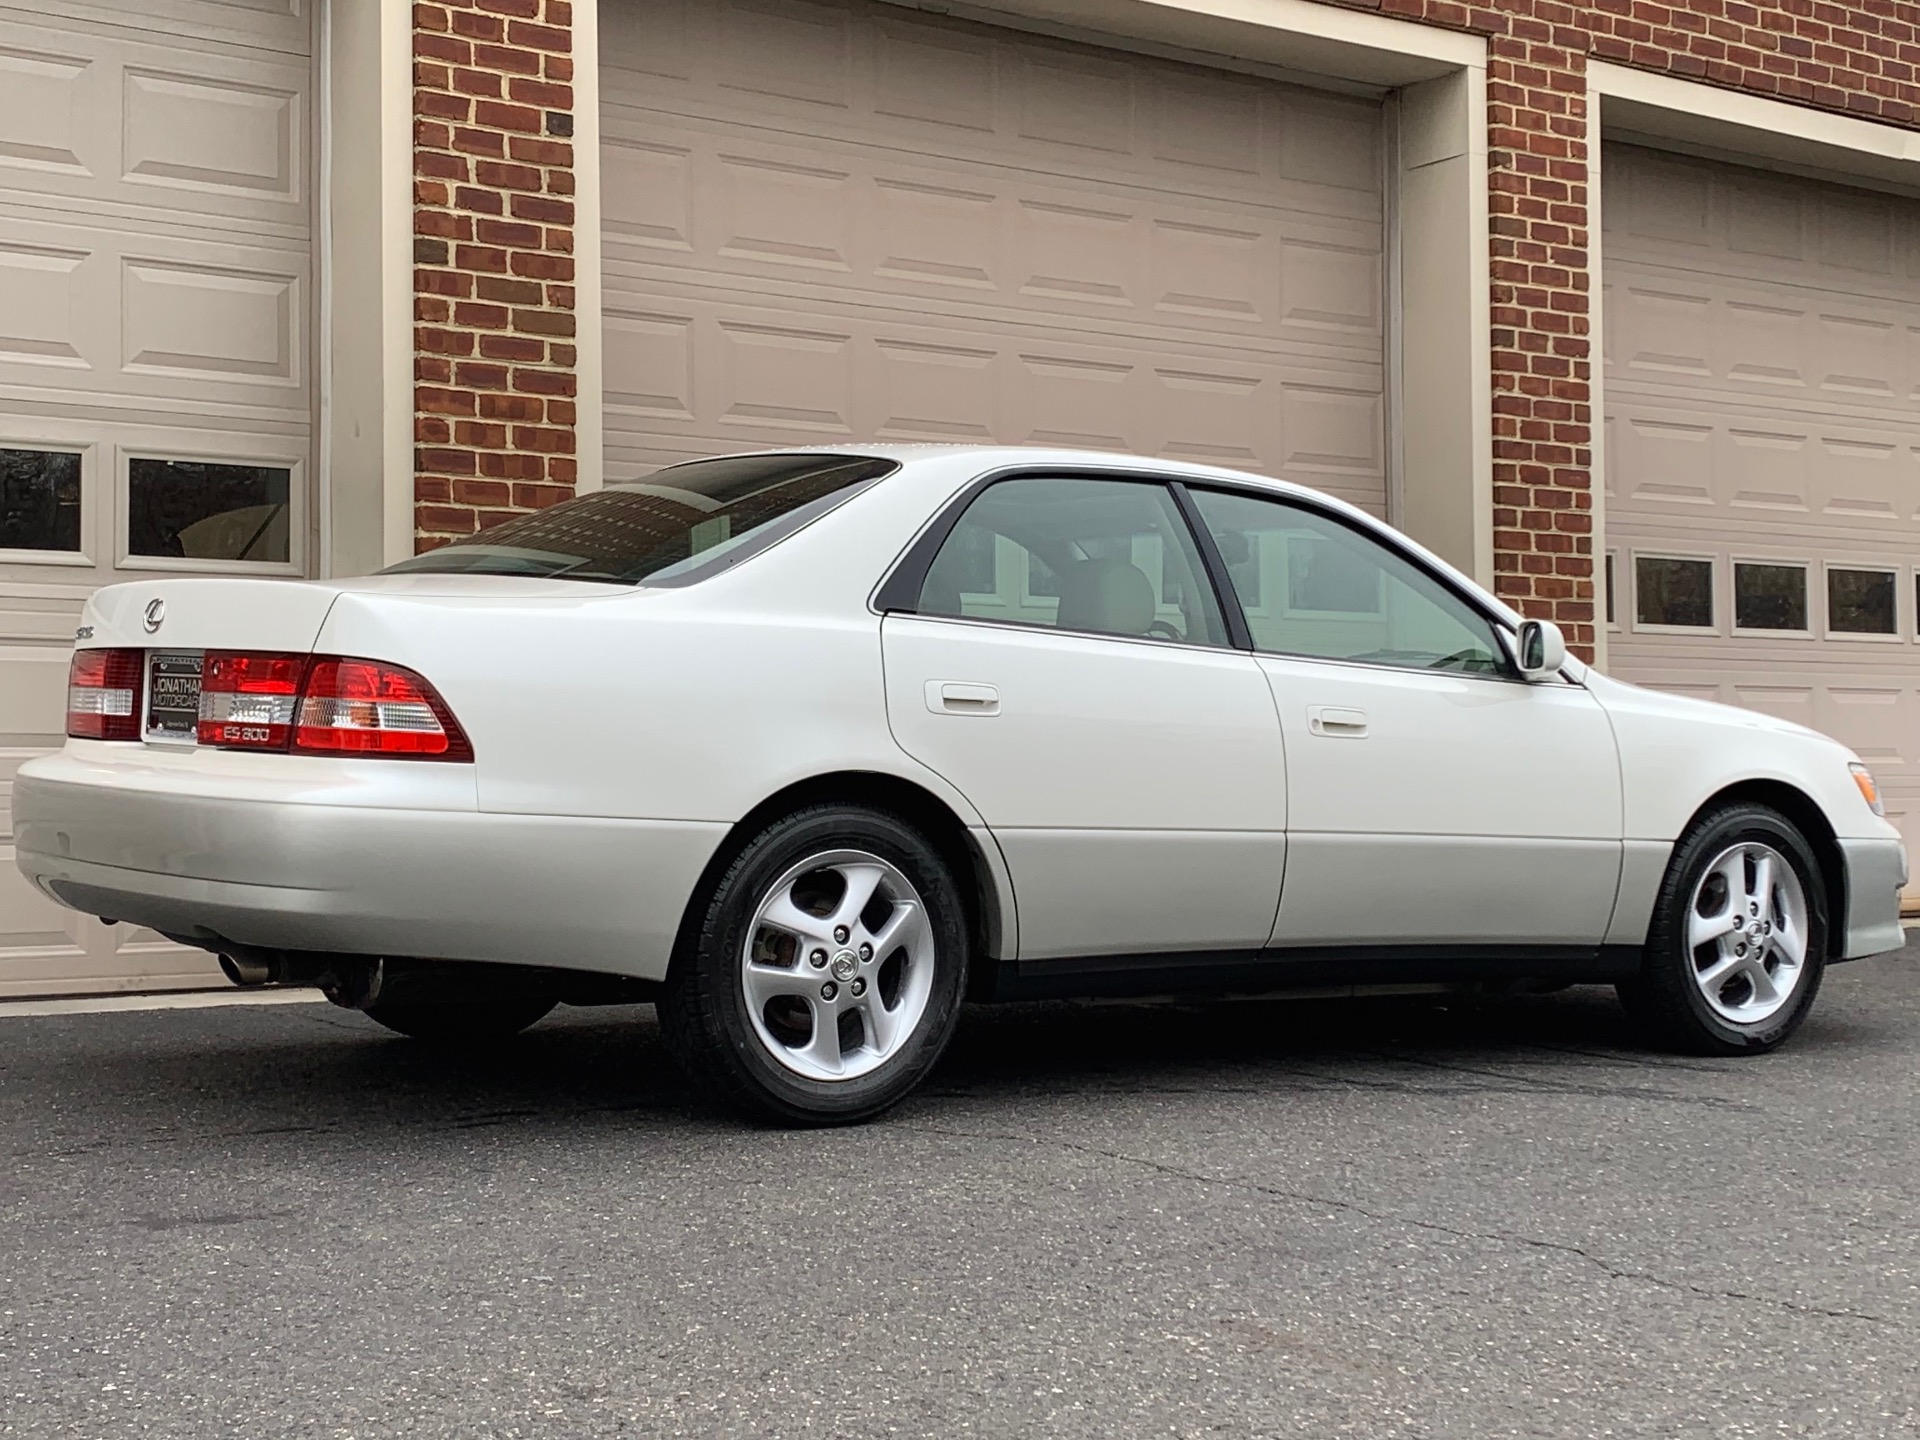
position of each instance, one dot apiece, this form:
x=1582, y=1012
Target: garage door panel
x=96, y=114
x=928, y=87
x=793, y=214
x=1745, y=469
x=152, y=314
x=704, y=369
x=268, y=25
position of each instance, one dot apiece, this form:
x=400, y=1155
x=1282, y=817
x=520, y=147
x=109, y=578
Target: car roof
x=993, y=457
x=945, y=457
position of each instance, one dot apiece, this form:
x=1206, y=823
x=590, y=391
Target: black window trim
x=899, y=591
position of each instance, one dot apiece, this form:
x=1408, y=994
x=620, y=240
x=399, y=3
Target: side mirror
x=1541, y=650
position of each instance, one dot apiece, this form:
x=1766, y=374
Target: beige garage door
x=832, y=222
x=155, y=390
x=1763, y=448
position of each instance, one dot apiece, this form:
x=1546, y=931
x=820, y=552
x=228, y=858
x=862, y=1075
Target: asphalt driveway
x=1303, y=1219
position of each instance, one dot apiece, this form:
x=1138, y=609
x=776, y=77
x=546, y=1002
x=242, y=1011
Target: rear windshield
x=678, y=525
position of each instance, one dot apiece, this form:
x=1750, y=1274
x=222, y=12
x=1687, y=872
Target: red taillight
x=247, y=700
x=103, y=695
x=367, y=707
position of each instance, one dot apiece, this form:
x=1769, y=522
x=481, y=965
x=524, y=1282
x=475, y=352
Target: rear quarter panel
x=668, y=704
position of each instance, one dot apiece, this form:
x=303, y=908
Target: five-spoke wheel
x=1747, y=932
x=1737, y=945
x=838, y=965
x=824, y=974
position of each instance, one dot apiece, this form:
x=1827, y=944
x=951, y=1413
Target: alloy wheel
x=838, y=965
x=1747, y=933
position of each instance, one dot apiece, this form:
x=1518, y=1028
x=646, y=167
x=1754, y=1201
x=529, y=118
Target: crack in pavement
x=1544, y=1086
x=1498, y=1237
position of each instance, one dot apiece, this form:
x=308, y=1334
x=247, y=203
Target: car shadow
x=315, y=1069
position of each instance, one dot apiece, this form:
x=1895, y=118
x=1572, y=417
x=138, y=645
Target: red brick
x=444, y=519
x=482, y=492
x=501, y=115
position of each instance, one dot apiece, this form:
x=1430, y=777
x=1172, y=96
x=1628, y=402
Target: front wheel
x=825, y=974
x=1738, y=941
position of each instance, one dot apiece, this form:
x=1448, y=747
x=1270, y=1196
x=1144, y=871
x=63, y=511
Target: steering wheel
x=1165, y=629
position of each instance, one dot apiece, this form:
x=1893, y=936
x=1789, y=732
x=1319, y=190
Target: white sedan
x=807, y=746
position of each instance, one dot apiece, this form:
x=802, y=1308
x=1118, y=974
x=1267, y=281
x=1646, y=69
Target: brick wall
x=493, y=262
x=1851, y=58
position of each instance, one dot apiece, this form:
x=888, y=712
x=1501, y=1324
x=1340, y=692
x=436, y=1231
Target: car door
x=1067, y=668
x=1434, y=798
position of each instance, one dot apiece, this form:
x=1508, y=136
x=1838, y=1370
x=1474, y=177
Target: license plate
x=173, y=696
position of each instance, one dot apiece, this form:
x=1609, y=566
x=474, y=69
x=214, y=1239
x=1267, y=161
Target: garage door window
x=39, y=500
x=1769, y=596
x=1861, y=602
x=1104, y=556
x=205, y=510
x=1672, y=592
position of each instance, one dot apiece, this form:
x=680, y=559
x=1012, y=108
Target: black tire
x=704, y=1015
x=1664, y=997
x=454, y=1023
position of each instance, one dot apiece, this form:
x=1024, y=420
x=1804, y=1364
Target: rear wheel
x=455, y=1023
x=825, y=975
x=1738, y=942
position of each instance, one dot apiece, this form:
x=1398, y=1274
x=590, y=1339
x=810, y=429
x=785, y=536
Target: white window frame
x=294, y=463
x=1896, y=636
x=1635, y=556
x=1804, y=566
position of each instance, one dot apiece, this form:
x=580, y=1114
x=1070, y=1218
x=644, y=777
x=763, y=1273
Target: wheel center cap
x=845, y=965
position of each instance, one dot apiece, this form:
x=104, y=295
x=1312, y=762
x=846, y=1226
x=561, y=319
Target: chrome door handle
x=1336, y=721
x=962, y=697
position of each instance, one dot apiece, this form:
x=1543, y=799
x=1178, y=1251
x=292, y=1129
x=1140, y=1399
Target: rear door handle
x=1337, y=721
x=962, y=697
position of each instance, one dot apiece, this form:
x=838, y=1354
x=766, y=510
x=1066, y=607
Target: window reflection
x=202, y=510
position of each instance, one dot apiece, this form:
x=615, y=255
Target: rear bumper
x=567, y=892
x=1876, y=874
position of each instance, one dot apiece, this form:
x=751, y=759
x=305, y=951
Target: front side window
x=1111, y=557
x=678, y=525
x=1313, y=586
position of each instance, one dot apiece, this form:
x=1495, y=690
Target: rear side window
x=677, y=526
x=1107, y=557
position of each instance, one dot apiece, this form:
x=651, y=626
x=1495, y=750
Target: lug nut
x=840, y=933
x=1740, y=949
x=866, y=954
x=829, y=990
x=818, y=959
x=859, y=987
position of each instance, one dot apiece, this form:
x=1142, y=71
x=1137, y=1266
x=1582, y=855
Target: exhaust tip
x=244, y=972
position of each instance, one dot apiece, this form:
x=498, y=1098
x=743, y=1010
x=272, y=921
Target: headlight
x=1869, y=791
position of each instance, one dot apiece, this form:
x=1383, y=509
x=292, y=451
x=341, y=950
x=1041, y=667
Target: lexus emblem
x=156, y=614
